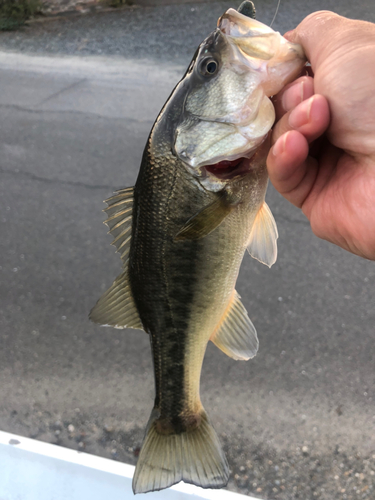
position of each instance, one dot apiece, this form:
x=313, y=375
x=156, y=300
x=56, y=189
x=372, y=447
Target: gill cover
x=227, y=111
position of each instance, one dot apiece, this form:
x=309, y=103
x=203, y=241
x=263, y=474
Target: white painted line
x=33, y=470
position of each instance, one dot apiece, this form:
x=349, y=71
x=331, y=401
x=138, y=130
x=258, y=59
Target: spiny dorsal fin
x=119, y=221
x=263, y=237
x=236, y=335
x=206, y=220
x=116, y=306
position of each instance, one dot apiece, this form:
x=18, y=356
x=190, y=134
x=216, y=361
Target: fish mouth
x=227, y=169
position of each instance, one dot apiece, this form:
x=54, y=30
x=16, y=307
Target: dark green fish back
x=164, y=199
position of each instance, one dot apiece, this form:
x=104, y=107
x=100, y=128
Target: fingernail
x=293, y=96
x=301, y=114
x=279, y=146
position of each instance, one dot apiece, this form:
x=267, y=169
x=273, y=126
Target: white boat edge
x=34, y=470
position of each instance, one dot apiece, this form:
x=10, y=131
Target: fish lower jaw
x=226, y=170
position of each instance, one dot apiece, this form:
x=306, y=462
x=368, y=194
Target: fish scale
x=162, y=274
x=181, y=289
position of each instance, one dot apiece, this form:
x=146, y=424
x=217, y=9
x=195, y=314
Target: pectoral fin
x=236, y=335
x=263, y=237
x=206, y=220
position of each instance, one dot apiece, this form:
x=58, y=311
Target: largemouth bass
x=182, y=231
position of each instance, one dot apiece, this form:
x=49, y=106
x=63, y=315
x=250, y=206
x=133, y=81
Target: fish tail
x=194, y=456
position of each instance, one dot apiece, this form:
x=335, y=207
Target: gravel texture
x=258, y=470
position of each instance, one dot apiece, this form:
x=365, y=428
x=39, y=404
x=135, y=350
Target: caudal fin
x=194, y=456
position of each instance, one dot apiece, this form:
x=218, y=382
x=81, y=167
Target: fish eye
x=208, y=67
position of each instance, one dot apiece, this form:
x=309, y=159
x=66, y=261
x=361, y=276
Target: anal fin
x=236, y=335
x=116, y=306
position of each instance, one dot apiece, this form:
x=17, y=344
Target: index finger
x=292, y=95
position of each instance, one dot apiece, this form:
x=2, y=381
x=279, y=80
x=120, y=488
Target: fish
x=182, y=231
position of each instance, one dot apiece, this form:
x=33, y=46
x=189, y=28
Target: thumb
x=319, y=34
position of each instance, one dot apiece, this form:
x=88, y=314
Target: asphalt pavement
x=78, y=97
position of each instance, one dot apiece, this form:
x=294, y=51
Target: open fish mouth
x=227, y=169
x=214, y=175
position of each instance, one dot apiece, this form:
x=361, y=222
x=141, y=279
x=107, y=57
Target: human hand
x=323, y=158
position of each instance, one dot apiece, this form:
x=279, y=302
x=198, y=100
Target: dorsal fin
x=236, y=335
x=119, y=221
x=116, y=306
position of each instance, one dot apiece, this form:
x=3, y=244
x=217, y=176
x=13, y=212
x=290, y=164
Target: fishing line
x=277, y=10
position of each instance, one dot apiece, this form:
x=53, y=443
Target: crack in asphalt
x=57, y=181
x=56, y=94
